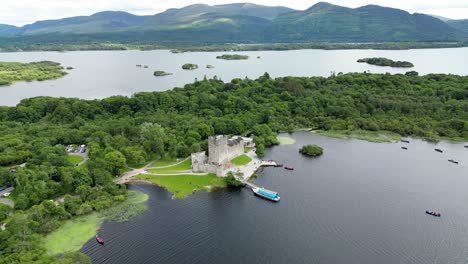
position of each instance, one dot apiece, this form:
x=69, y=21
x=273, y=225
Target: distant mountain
x=445, y=19
x=7, y=30
x=108, y=21
x=243, y=23
x=327, y=22
x=460, y=24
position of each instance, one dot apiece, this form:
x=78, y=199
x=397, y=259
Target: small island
x=386, y=62
x=189, y=66
x=233, y=57
x=161, y=73
x=311, y=150
x=11, y=72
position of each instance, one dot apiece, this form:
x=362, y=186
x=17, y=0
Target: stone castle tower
x=218, y=150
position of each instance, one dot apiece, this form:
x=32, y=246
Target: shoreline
x=13, y=47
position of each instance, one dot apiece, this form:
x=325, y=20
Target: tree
x=311, y=150
x=116, y=162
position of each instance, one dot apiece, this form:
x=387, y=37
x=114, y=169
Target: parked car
x=6, y=194
x=2, y=188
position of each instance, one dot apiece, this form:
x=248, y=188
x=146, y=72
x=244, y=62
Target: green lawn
x=286, y=140
x=73, y=159
x=183, y=185
x=241, y=160
x=186, y=165
x=165, y=162
x=73, y=234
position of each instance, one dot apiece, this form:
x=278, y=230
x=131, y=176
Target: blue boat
x=267, y=194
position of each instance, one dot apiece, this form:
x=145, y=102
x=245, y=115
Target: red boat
x=100, y=240
x=289, y=168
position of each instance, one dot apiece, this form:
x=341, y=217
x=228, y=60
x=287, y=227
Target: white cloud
x=20, y=12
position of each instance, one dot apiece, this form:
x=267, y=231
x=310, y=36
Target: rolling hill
x=242, y=23
x=460, y=24
x=327, y=22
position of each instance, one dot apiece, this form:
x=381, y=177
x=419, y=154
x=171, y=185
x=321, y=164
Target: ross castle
x=221, y=151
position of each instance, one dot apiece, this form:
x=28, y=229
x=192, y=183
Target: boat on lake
x=405, y=141
x=99, y=239
x=438, y=150
x=289, y=168
x=267, y=194
x=433, y=213
x=453, y=161
x=404, y=147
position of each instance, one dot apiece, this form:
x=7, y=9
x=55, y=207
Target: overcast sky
x=20, y=12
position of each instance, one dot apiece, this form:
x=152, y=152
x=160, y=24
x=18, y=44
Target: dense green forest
x=123, y=132
x=11, y=72
x=387, y=62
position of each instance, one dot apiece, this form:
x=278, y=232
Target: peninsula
x=11, y=72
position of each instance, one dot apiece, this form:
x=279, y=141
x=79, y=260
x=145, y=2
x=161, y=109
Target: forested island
x=233, y=57
x=11, y=72
x=311, y=150
x=123, y=132
x=161, y=73
x=189, y=66
x=386, y=62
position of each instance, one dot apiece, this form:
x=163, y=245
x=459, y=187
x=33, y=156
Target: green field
x=186, y=165
x=73, y=234
x=74, y=159
x=371, y=136
x=182, y=186
x=241, y=160
x=165, y=162
x=286, y=140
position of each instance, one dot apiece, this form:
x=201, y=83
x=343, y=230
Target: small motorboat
x=433, y=213
x=288, y=168
x=466, y=146
x=99, y=239
x=405, y=141
x=404, y=147
x=453, y=161
x=439, y=150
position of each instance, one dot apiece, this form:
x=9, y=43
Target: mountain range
x=247, y=23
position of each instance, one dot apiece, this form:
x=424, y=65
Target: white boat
x=267, y=194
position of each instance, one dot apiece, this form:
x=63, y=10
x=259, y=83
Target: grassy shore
x=182, y=186
x=74, y=233
x=241, y=160
x=74, y=159
x=371, y=136
x=186, y=165
x=11, y=72
x=283, y=140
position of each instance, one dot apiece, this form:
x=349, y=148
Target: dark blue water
x=360, y=202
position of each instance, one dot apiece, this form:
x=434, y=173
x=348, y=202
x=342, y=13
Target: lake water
x=360, y=203
x=100, y=74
